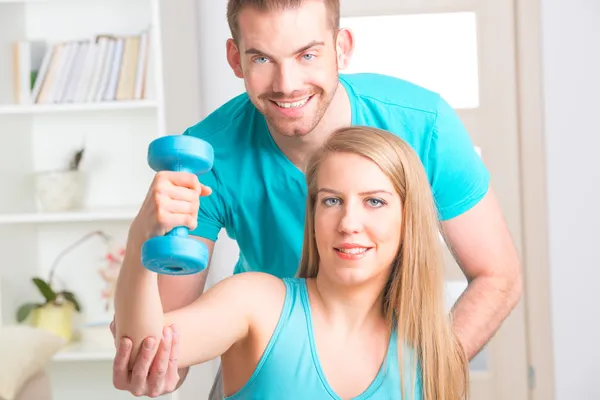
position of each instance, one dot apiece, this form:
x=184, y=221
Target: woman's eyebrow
x=368, y=192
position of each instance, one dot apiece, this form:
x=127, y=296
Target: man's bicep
x=458, y=176
x=179, y=291
x=480, y=239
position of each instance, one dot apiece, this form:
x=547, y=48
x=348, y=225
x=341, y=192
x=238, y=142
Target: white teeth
x=354, y=250
x=295, y=104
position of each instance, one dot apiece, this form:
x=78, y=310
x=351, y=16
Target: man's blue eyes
x=262, y=60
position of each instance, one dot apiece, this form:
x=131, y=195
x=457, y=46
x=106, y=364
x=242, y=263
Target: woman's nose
x=351, y=221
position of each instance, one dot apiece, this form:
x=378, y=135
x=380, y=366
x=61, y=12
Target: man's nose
x=286, y=79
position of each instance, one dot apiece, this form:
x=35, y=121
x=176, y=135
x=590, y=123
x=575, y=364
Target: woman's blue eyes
x=376, y=202
x=330, y=202
x=372, y=202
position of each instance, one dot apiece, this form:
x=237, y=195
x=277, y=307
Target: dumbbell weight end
x=174, y=255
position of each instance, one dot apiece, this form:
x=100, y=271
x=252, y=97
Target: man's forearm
x=482, y=308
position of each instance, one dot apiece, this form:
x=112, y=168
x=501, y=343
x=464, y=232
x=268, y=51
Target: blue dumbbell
x=176, y=253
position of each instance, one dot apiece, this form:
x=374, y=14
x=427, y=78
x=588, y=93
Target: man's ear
x=233, y=58
x=344, y=47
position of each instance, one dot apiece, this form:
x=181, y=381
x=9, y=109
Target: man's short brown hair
x=235, y=7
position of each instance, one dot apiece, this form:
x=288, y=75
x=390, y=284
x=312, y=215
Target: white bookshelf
x=39, y=137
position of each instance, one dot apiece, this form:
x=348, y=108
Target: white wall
x=571, y=59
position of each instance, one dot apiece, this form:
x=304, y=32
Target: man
x=289, y=53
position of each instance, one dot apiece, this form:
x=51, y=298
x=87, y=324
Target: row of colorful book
x=102, y=68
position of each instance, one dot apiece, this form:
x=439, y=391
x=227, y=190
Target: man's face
x=288, y=60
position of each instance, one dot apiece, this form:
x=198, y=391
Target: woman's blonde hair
x=413, y=298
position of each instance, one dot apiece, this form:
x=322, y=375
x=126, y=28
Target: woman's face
x=358, y=216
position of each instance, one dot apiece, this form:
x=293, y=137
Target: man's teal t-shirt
x=259, y=196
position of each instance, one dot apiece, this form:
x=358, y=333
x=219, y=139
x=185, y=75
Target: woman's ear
x=344, y=47
x=233, y=58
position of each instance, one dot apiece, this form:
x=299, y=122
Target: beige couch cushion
x=36, y=388
x=24, y=351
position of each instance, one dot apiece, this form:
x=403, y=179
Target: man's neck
x=299, y=149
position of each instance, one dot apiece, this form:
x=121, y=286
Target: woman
x=365, y=317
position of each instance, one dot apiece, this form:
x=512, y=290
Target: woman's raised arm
x=219, y=318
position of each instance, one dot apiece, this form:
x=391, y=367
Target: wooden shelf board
x=108, y=214
x=78, y=352
x=76, y=107
x=23, y=1
x=95, y=344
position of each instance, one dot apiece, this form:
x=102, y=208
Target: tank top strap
x=291, y=292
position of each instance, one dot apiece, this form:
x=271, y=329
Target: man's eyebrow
x=254, y=50
x=376, y=191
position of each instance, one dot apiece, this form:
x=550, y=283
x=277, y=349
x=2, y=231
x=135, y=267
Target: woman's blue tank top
x=290, y=368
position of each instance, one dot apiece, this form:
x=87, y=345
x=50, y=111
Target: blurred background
x=85, y=85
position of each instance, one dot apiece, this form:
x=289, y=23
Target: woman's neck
x=348, y=310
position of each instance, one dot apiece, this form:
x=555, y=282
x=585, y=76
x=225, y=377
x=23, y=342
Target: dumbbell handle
x=181, y=231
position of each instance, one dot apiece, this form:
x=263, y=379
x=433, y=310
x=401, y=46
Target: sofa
x=25, y=352
x=37, y=387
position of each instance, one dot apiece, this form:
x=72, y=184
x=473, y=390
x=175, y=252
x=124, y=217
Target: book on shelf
x=27, y=58
x=102, y=68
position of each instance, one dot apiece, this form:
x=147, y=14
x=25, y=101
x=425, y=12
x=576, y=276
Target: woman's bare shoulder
x=254, y=288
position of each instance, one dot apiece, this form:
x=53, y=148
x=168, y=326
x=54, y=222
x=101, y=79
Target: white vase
x=59, y=190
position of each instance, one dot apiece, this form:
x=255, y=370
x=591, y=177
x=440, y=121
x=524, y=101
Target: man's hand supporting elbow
x=483, y=248
x=155, y=371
